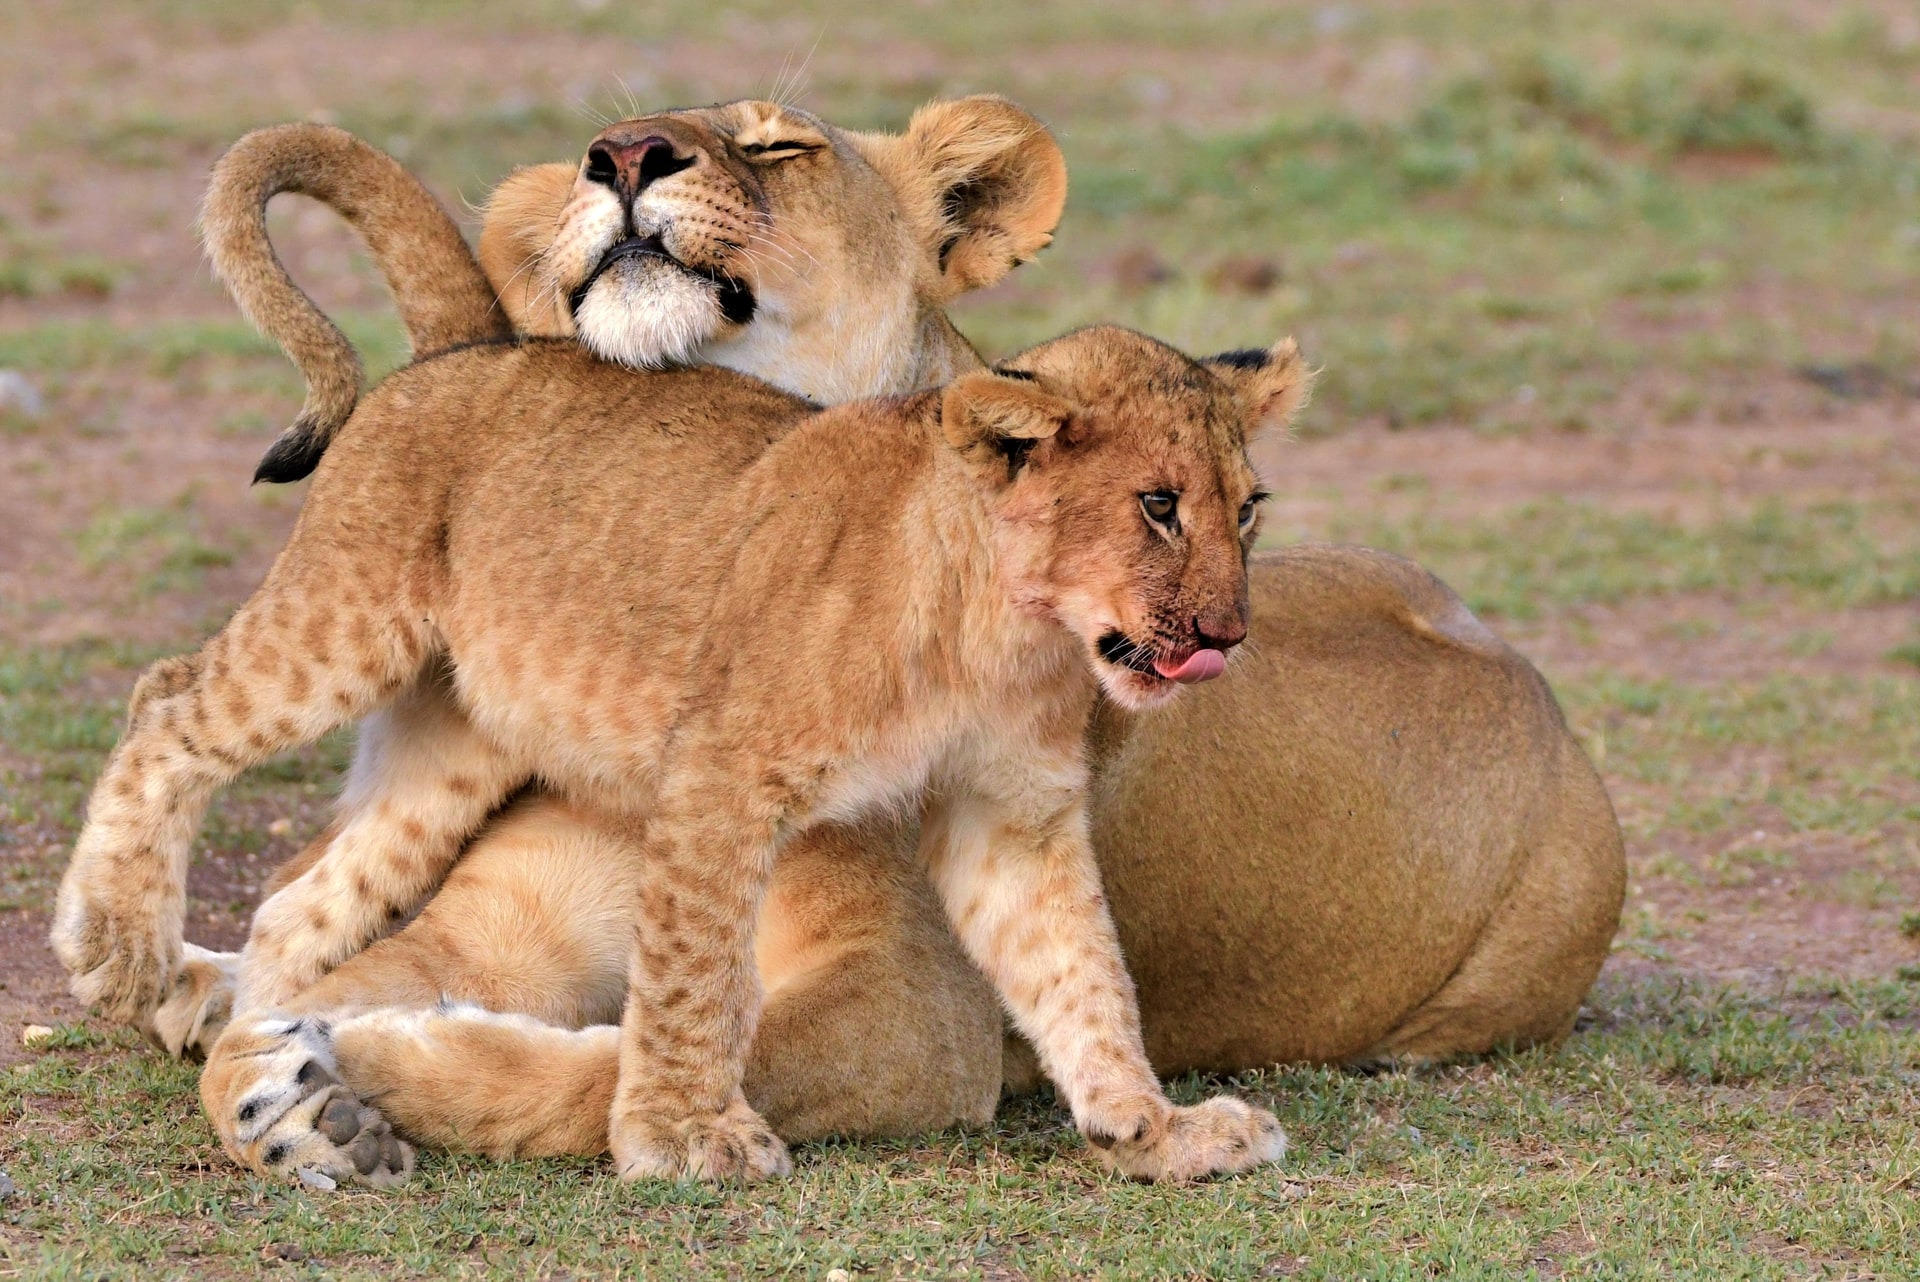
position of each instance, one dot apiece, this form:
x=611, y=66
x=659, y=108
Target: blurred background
x=1616, y=304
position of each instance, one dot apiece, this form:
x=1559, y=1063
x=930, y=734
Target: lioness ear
x=1271, y=386
x=994, y=420
x=522, y=216
x=984, y=183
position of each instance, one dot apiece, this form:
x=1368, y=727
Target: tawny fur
x=443, y=300
x=1303, y=853
x=845, y=612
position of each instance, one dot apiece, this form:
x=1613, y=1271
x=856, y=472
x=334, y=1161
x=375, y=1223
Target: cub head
x=1124, y=502
x=762, y=238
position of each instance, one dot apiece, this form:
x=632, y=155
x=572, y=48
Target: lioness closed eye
x=914, y=597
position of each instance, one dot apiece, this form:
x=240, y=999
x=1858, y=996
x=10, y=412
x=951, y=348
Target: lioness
x=906, y=601
x=1376, y=838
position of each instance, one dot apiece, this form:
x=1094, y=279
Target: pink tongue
x=1201, y=665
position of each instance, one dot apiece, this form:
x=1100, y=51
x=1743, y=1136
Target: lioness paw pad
x=291, y=1116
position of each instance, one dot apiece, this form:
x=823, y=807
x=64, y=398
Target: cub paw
x=198, y=1004
x=734, y=1145
x=274, y=1095
x=120, y=963
x=1222, y=1136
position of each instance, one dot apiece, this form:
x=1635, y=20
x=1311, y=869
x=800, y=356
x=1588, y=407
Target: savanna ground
x=1618, y=313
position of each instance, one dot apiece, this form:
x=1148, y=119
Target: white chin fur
x=648, y=314
x=1133, y=692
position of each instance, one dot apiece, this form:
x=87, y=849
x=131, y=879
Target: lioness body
x=843, y=611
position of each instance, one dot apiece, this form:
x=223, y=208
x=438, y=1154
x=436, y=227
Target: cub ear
x=993, y=419
x=1271, y=386
x=522, y=217
x=983, y=181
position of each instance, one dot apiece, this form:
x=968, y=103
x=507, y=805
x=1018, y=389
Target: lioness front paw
x=734, y=1145
x=1219, y=1137
x=120, y=956
x=273, y=1094
x=198, y=1004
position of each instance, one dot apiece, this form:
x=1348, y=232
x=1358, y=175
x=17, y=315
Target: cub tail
x=443, y=297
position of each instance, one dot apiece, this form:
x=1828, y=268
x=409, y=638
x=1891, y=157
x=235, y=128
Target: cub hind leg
x=423, y=782
x=325, y=640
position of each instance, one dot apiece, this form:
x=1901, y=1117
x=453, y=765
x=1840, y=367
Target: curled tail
x=443, y=298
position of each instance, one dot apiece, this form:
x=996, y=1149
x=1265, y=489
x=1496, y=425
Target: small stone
x=839, y=1275
x=19, y=396
x=279, y=827
x=318, y=1180
x=35, y=1035
x=7, y=1186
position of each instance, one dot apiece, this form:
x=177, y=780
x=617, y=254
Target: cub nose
x=630, y=165
x=1220, y=629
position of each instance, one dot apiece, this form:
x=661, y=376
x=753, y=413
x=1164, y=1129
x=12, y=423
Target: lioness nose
x=1220, y=629
x=629, y=166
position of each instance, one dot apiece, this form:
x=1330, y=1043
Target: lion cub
x=718, y=616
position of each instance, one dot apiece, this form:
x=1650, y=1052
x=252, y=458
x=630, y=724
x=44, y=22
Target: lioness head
x=761, y=238
x=1124, y=500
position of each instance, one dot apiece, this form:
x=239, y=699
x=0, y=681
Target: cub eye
x=1249, y=510
x=1161, y=507
x=783, y=149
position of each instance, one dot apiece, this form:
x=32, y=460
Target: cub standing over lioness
x=913, y=599
x=1375, y=838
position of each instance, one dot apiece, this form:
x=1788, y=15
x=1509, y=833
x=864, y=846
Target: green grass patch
x=161, y=547
x=172, y=349
x=1551, y=555
x=1685, y=1131
x=1828, y=754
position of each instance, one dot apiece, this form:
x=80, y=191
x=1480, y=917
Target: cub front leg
x=1023, y=892
x=694, y=990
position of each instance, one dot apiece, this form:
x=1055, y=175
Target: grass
x=1554, y=554
x=1684, y=1132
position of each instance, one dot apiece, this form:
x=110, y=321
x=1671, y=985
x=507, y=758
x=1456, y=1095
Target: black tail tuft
x=294, y=455
x=1242, y=358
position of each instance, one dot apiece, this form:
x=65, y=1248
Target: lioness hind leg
x=290, y=666
x=1538, y=954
